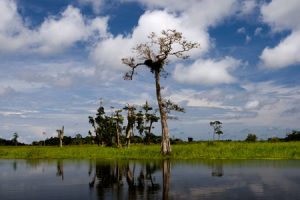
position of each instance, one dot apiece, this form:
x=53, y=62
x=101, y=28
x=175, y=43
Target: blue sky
x=59, y=57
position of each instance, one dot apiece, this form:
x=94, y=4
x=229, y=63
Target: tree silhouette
x=15, y=138
x=150, y=118
x=217, y=125
x=155, y=55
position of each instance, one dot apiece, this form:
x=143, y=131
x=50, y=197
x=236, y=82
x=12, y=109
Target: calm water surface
x=96, y=179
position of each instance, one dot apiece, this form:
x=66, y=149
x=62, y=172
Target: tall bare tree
x=60, y=135
x=155, y=55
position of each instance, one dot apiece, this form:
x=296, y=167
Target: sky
x=58, y=58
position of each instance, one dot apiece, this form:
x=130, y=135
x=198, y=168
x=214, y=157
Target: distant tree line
x=293, y=136
x=13, y=142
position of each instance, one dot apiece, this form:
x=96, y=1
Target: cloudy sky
x=59, y=57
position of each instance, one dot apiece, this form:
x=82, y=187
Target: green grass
x=198, y=150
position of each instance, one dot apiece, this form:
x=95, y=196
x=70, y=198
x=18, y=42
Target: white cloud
x=206, y=71
x=282, y=15
x=286, y=53
x=109, y=52
x=184, y=16
x=54, y=35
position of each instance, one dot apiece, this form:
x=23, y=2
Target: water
x=96, y=179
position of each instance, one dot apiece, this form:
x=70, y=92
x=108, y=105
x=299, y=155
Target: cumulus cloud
x=109, y=52
x=54, y=35
x=184, y=16
x=282, y=15
x=207, y=71
x=286, y=53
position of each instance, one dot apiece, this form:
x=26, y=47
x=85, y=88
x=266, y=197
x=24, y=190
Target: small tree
x=251, y=138
x=99, y=123
x=217, y=126
x=118, y=121
x=154, y=55
x=150, y=118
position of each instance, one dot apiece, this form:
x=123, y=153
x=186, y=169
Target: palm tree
x=155, y=55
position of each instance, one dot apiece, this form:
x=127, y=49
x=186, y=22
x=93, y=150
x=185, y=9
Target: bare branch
x=131, y=63
x=169, y=43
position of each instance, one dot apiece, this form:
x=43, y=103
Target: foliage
x=104, y=127
x=251, y=138
x=15, y=138
x=4, y=142
x=217, y=126
x=293, y=136
x=109, y=131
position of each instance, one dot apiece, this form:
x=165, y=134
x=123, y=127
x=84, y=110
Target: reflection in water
x=60, y=169
x=217, y=169
x=139, y=179
x=166, y=178
x=15, y=166
x=91, y=179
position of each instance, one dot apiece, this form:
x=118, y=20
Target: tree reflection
x=217, y=169
x=60, y=169
x=125, y=179
x=166, y=178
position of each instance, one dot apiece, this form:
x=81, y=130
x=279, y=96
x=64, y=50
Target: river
x=111, y=179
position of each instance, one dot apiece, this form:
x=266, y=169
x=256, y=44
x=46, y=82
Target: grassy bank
x=201, y=150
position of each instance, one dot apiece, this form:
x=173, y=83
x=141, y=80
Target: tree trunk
x=165, y=140
x=117, y=135
x=128, y=135
x=60, y=142
x=149, y=132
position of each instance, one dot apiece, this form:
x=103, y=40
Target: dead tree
x=155, y=55
x=60, y=135
x=130, y=123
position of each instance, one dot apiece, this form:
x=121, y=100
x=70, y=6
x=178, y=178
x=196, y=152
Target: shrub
x=251, y=138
